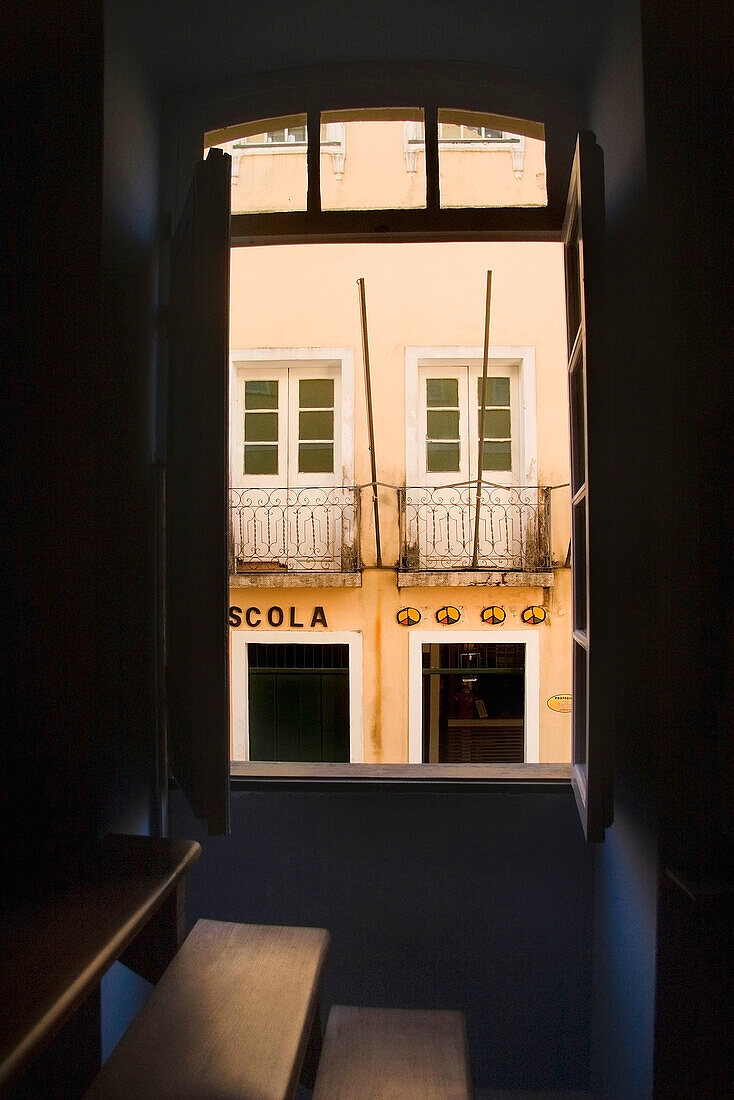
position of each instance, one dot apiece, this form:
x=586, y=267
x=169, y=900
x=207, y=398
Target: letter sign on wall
x=275, y=615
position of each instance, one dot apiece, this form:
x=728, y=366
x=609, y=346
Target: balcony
x=312, y=535
x=437, y=528
x=302, y=531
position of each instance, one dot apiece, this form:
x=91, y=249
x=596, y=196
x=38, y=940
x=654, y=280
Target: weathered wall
x=372, y=609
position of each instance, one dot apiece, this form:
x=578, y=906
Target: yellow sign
x=409, y=616
x=560, y=703
x=447, y=615
x=533, y=615
x=494, y=615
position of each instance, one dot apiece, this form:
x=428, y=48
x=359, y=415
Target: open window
x=197, y=641
x=286, y=437
x=583, y=233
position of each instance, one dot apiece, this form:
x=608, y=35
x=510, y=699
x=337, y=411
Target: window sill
x=411, y=775
x=464, y=578
x=295, y=580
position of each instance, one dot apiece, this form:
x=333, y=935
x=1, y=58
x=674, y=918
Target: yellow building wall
x=472, y=176
x=417, y=294
x=372, y=610
x=424, y=295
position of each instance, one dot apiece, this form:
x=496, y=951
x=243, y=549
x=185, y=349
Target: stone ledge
x=295, y=580
x=455, y=578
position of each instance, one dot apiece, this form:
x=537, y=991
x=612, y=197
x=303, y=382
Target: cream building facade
x=440, y=651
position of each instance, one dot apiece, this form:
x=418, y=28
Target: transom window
x=484, y=161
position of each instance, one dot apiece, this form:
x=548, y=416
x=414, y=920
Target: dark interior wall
x=688, y=103
x=128, y=480
x=660, y=956
x=53, y=412
x=622, y=589
x=79, y=606
x=467, y=900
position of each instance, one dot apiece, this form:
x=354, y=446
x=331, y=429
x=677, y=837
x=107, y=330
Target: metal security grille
x=297, y=657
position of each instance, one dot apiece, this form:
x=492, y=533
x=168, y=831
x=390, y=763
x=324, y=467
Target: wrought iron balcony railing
x=299, y=530
x=437, y=528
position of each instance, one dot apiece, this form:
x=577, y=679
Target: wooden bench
x=381, y=1053
x=230, y=1018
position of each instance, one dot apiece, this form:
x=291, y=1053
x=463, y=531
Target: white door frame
x=239, y=640
x=497, y=636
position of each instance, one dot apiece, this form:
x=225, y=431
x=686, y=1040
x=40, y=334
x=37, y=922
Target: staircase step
x=381, y=1053
x=230, y=1018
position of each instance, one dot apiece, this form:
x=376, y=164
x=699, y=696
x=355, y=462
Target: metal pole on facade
x=482, y=405
x=370, y=420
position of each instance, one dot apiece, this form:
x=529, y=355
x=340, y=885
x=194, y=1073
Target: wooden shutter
x=197, y=657
x=583, y=233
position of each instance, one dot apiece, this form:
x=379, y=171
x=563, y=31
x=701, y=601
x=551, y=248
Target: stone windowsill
x=295, y=580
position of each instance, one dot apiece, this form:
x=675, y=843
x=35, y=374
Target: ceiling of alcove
x=186, y=43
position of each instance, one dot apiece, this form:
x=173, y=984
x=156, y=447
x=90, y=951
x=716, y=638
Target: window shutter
x=583, y=233
x=197, y=657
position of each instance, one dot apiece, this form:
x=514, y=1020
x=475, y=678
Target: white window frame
x=274, y=362
x=524, y=432
x=499, y=636
x=240, y=672
x=414, y=144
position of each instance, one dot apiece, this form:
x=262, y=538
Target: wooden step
x=230, y=1018
x=395, y=1053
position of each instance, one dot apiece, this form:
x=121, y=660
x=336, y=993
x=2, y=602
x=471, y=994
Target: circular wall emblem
x=494, y=615
x=448, y=615
x=534, y=615
x=560, y=703
x=408, y=616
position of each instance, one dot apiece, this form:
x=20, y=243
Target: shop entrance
x=473, y=703
x=298, y=702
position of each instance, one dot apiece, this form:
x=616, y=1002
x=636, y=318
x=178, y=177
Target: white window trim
x=240, y=671
x=414, y=144
x=341, y=357
x=521, y=356
x=529, y=638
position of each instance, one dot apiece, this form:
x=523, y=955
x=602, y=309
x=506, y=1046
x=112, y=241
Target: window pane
x=443, y=424
x=442, y=457
x=580, y=659
x=497, y=455
x=269, y=171
x=316, y=425
x=316, y=393
x=578, y=511
x=373, y=159
x=578, y=423
x=488, y=160
x=261, y=460
x=315, y=458
x=261, y=394
x=441, y=392
x=497, y=391
x=496, y=424
x=261, y=426
x=573, y=282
